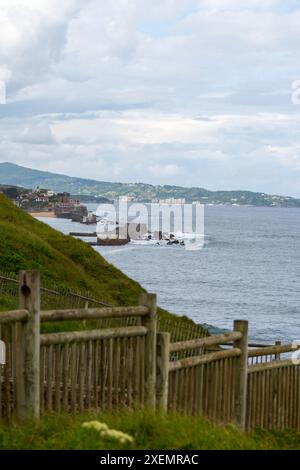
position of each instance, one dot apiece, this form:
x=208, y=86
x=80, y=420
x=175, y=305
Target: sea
x=249, y=268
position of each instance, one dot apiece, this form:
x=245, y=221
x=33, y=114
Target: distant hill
x=12, y=174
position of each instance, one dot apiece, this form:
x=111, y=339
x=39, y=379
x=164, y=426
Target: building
x=172, y=201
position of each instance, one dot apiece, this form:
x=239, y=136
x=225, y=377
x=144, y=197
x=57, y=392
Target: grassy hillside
x=61, y=432
x=26, y=243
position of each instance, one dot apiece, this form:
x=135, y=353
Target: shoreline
x=43, y=214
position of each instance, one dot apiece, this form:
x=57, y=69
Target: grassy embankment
x=26, y=243
x=62, y=432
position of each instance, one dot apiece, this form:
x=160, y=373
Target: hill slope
x=28, y=178
x=26, y=243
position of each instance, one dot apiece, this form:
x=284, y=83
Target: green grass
x=26, y=243
x=58, y=432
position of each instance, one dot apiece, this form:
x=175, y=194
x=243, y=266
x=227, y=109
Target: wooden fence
x=101, y=368
x=212, y=384
x=254, y=387
x=273, y=391
x=134, y=366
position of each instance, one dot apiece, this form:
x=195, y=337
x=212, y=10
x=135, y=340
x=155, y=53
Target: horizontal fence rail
x=93, y=313
x=205, y=359
x=206, y=342
x=270, y=365
x=12, y=317
x=78, y=336
x=273, y=350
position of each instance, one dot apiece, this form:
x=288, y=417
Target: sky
x=185, y=92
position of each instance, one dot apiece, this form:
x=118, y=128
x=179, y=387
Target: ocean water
x=249, y=269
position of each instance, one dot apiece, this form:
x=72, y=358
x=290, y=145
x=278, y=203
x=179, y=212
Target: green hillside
x=26, y=243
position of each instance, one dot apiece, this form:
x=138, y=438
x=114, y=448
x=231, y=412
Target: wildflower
x=96, y=425
x=118, y=436
x=105, y=432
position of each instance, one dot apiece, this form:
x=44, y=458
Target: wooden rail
x=270, y=365
x=205, y=359
x=93, y=313
x=80, y=336
x=205, y=342
x=273, y=350
x=14, y=316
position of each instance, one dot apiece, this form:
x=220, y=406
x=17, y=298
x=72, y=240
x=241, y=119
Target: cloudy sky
x=188, y=92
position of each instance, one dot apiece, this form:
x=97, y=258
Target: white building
x=172, y=201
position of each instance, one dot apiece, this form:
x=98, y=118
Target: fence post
x=150, y=321
x=162, y=375
x=241, y=374
x=29, y=299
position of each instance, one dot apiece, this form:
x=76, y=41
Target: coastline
x=43, y=214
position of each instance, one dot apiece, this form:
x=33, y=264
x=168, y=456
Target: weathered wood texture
x=93, y=374
x=29, y=299
x=162, y=371
x=93, y=313
x=150, y=322
x=206, y=389
x=204, y=359
x=224, y=387
x=11, y=378
x=273, y=396
x=77, y=336
x=14, y=316
x=206, y=342
x=208, y=384
x=240, y=395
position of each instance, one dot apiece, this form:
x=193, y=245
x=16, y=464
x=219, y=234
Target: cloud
x=165, y=171
x=32, y=37
x=191, y=92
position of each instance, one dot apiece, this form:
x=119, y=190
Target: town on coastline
x=46, y=203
